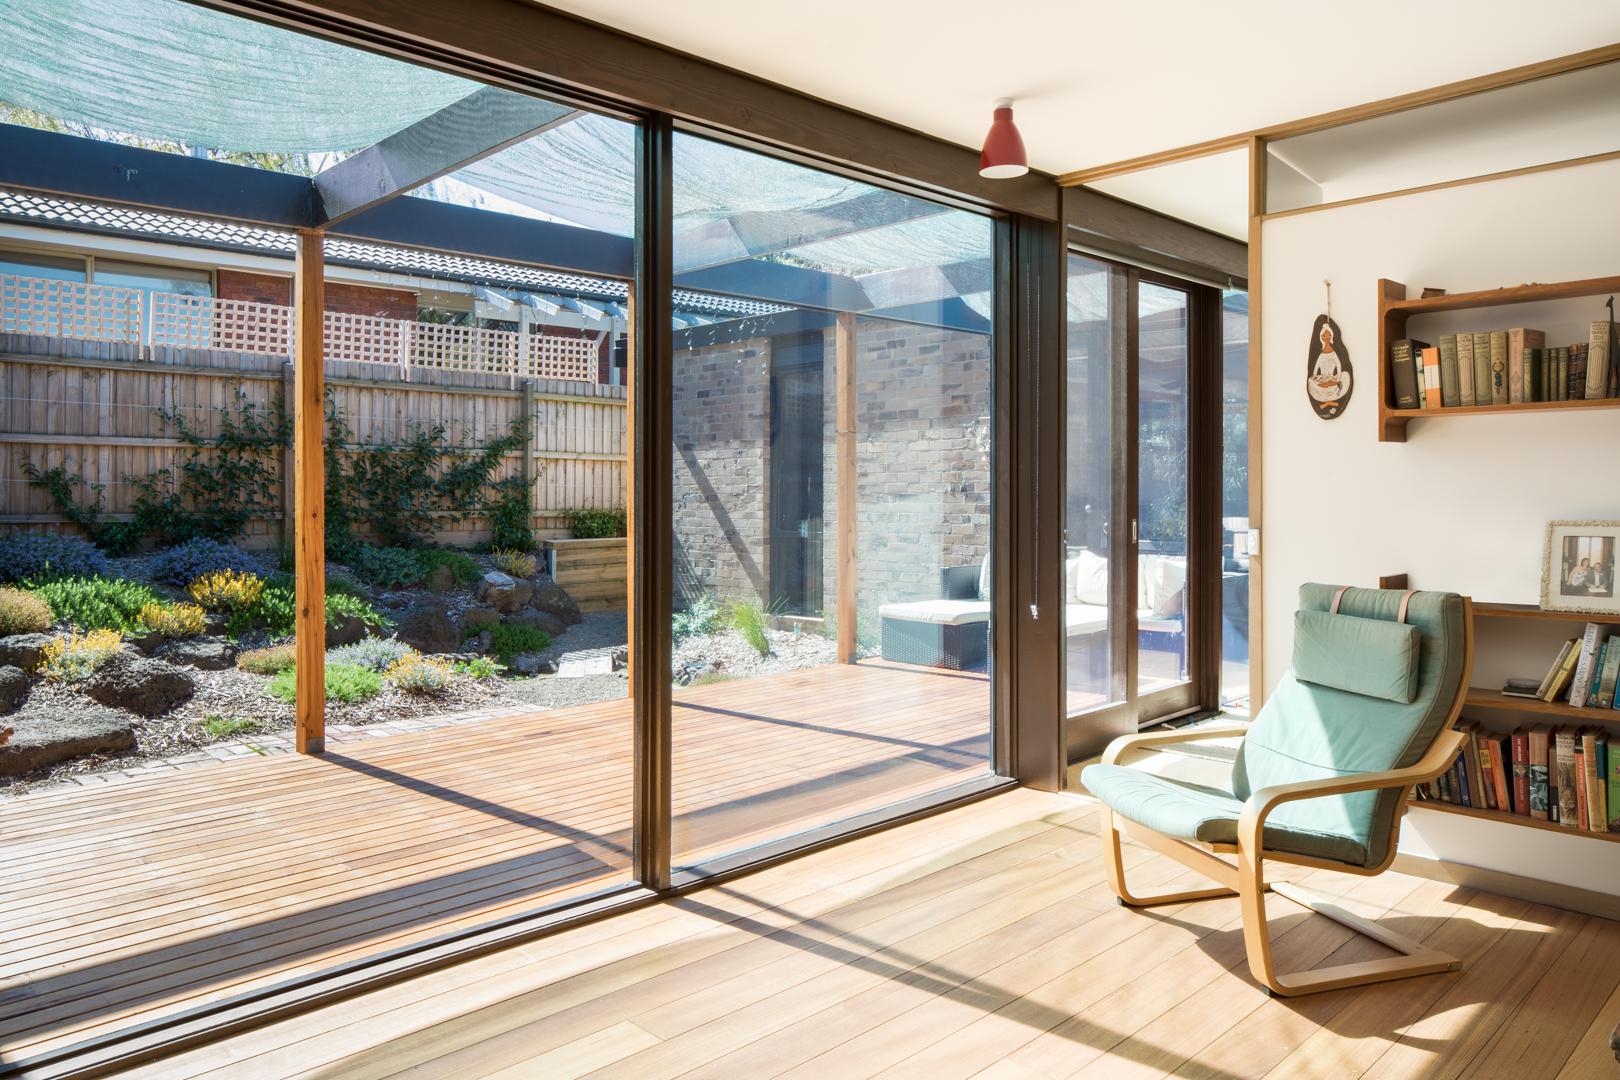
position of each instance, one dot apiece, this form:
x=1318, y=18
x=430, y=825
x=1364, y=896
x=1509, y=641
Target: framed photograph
x=1577, y=567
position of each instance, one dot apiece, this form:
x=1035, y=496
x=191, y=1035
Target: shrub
x=700, y=618
x=277, y=608
x=271, y=660
x=516, y=563
x=378, y=654
x=76, y=656
x=711, y=678
x=173, y=620
x=465, y=569
x=597, y=524
x=392, y=568
x=750, y=623
x=420, y=674
x=348, y=683
x=341, y=604
x=23, y=613
x=220, y=727
x=35, y=555
x=185, y=563
x=480, y=667
x=511, y=639
x=95, y=603
x=227, y=590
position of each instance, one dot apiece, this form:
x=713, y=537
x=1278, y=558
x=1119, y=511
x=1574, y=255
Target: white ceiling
x=1102, y=82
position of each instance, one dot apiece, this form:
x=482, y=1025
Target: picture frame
x=1578, y=563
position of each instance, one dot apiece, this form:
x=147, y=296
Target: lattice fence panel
x=199, y=322
x=365, y=337
x=30, y=305
x=465, y=348
x=552, y=356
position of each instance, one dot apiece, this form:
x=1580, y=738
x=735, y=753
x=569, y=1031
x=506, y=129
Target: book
x=1582, y=679
x=1475, y=778
x=1540, y=779
x=1405, y=357
x=1565, y=674
x=1465, y=369
x=1521, y=772
x=1564, y=758
x=1442, y=784
x=1612, y=766
x=1518, y=340
x=1557, y=665
x=1521, y=688
x=1561, y=374
x=1582, y=811
x=1609, y=676
x=1459, y=780
x=1499, y=748
x=1431, y=378
x=1594, y=744
x=1487, y=773
x=1577, y=372
x=1482, y=369
x=1499, y=367
x=1599, y=359
x=1535, y=376
x=1450, y=396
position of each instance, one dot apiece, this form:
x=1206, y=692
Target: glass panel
x=1235, y=500
x=832, y=444
x=50, y=267
x=1161, y=569
x=1096, y=338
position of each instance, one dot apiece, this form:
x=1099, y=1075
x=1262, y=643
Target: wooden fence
x=98, y=406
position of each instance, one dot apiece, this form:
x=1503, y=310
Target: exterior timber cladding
x=922, y=464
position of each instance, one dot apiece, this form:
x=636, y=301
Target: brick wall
x=256, y=288
x=922, y=466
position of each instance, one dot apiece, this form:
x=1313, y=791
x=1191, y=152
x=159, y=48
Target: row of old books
x=1502, y=367
x=1587, y=668
x=1563, y=774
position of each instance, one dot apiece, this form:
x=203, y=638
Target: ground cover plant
x=702, y=617
x=96, y=603
x=230, y=591
x=22, y=612
x=223, y=727
x=750, y=623
x=597, y=524
x=417, y=674
x=75, y=656
x=270, y=660
x=35, y=555
x=348, y=683
x=514, y=562
x=392, y=568
x=175, y=621
x=465, y=570
x=378, y=654
x=510, y=639
x=185, y=563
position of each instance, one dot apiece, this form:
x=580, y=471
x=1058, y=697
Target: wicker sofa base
x=928, y=644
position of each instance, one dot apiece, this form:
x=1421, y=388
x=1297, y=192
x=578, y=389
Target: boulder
x=344, y=630
x=202, y=653
x=526, y=665
x=14, y=686
x=22, y=650
x=549, y=597
x=148, y=643
x=427, y=627
x=42, y=738
x=540, y=620
x=503, y=592
x=441, y=580
x=480, y=616
x=147, y=687
x=484, y=642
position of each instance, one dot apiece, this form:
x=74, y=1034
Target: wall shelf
x=1511, y=819
x=1394, y=309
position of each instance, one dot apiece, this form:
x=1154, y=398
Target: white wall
x=1463, y=504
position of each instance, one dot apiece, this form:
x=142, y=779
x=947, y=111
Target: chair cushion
x=1363, y=656
x=1085, y=580
x=1188, y=812
x=944, y=612
x=1081, y=619
x=984, y=579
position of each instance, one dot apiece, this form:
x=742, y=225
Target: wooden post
x=844, y=348
x=630, y=484
x=289, y=465
x=309, y=304
x=528, y=449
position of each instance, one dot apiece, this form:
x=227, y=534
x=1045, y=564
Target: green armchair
x=1364, y=712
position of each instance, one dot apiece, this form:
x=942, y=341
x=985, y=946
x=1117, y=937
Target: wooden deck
x=982, y=943
x=127, y=902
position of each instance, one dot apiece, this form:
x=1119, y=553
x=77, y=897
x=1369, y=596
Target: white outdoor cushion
x=1090, y=578
x=1169, y=577
x=1146, y=620
x=984, y=579
x=944, y=612
x=1081, y=619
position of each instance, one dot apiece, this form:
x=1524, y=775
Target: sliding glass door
x=1139, y=539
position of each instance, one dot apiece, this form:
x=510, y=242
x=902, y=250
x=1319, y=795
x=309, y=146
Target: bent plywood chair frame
x=1246, y=879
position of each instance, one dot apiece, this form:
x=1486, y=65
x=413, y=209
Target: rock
x=443, y=579
x=495, y=588
x=202, y=653
x=427, y=627
x=344, y=630
x=621, y=659
x=377, y=591
x=43, y=738
x=526, y=665
x=14, y=686
x=480, y=616
x=397, y=601
x=549, y=597
x=540, y=620
x=214, y=625
x=522, y=593
x=148, y=687
x=484, y=642
x=22, y=650
x=545, y=667
x=147, y=643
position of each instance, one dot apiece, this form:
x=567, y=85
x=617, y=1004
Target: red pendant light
x=1003, y=155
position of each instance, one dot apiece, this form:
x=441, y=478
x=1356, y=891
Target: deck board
x=127, y=901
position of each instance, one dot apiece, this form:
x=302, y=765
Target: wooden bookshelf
x=1531, y=611
x=1495, y=699
x=1511, y=819
x=1394, y=309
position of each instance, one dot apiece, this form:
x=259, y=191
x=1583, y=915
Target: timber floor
x=123, y=903
x=982, y=943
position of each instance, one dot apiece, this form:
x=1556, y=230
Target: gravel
x=550, y=692
x=728, y=652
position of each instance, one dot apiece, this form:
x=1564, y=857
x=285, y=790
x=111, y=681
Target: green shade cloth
x=1363, y=656
x=1308, y=731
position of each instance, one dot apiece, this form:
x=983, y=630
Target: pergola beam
x=485, y=122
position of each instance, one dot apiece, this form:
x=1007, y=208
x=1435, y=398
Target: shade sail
x=166, y=70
